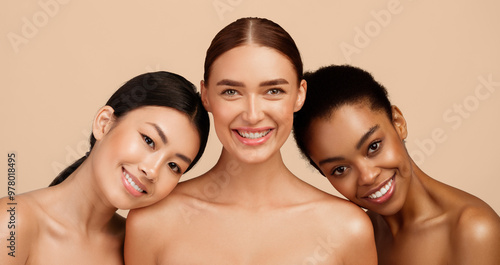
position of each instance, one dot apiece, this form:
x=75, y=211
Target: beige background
x=61, y=60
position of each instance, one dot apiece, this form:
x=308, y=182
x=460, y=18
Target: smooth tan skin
x=249, y=208
x=425, y=221
x=76, y=222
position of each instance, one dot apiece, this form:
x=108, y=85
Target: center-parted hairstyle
x=259, y=31
x=161, y=89
x=330, y=88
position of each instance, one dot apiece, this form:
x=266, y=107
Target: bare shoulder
x=335, y=214
x=351, y=227
x=476, y=233
x=150, y=229
x=472, y=216
x=172, y=208
x=478, y=222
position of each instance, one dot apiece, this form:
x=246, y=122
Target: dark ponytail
x=154, y=89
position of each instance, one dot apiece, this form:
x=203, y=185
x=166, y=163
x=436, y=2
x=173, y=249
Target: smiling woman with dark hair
x=152, y=130
x=352, y=134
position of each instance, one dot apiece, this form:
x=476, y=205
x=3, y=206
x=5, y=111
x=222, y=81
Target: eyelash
x=278, y=91
x=377, y=144
x=227, y=91
x=148, y=141
x=177, y=169
x=335, y=170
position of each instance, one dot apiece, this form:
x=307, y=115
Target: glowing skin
x=416, y=219
x=136, y=161
x=145, y=152
x=252, y=93
x=249, y=204
x=364, y=157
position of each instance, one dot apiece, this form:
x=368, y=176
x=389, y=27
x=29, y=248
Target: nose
x=253, y=112
x=368, y=174
x=150, y=167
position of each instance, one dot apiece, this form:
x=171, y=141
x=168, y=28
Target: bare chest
x=73, y=250
x=243, y=239
x=424, y=247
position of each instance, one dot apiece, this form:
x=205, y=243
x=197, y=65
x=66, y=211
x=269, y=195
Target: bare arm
x=141, y=244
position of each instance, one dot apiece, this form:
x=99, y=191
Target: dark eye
x=275, y=91
x=174, y=167
x=229, y=92
x=339, y=171
x=374, y=147
x=148, y=141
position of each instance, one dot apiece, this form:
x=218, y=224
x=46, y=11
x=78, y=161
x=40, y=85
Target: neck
x=80, y=203
x=251, y=184
x=420, y=204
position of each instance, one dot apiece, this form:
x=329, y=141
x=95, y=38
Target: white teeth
x=132, y=183
x=382, y=191
x=256, y=135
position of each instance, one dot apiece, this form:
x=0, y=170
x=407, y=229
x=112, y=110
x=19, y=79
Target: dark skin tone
x=416, y=219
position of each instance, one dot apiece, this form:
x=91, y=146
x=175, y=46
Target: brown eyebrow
x=330, y=160
x=367, y=135
x=228, y=82
x=184, y=158
x=159, y=131
x=274, y=82
x=361, y=141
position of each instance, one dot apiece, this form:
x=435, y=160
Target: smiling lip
x=132, y=184
x=253, y=136
x=383, y=193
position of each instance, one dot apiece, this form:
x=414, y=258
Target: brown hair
x=259, y=31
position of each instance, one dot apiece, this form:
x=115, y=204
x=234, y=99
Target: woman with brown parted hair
x=249, y=208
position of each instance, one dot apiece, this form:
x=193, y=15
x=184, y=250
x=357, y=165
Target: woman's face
x=362, y=154
x=139, y=158
x=252, y=93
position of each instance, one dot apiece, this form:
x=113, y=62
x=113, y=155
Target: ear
x=103, y=122
x=204, y=96
x=399, y=122
x=301, y=96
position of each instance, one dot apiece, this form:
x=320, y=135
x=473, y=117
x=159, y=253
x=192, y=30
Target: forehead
x=251, y=61
x=169, y=119
x=344, y=127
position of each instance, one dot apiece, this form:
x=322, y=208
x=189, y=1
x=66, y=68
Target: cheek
x=282, y=113
x=165, y=187
x=346, y=186
x=395, y=155
x=223, y=113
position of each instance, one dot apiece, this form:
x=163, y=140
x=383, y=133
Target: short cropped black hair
x=330, y=88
